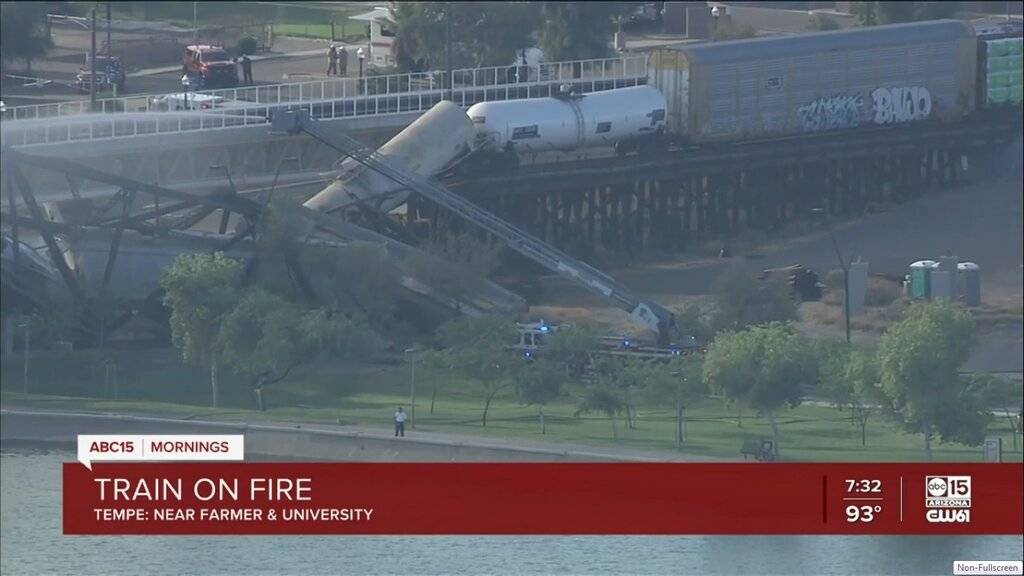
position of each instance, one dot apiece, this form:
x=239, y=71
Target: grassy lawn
x=156, y=382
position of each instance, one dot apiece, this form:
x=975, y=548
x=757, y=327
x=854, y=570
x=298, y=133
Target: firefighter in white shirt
x=400, y=417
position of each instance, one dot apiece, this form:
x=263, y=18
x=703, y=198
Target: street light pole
x=92, y=64
x=846, y=275
x=27, y=326
x=412, y=387
x=185, y=83
x=360, y=55
x=448, y=47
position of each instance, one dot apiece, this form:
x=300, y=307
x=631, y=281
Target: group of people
x=337, y=61
x=246, y=64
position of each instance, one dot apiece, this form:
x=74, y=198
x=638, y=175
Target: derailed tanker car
x=625, y=118
x=437, y=139
x=769, y=87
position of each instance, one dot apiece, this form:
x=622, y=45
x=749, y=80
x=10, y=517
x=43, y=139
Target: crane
x=649, y=314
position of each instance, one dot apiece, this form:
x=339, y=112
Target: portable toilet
x=921, y=279
x=970, y=283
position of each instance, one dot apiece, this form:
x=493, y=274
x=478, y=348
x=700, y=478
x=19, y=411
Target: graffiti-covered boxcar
x=765, y=87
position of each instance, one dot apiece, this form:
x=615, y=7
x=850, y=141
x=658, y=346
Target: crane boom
x=650, y=314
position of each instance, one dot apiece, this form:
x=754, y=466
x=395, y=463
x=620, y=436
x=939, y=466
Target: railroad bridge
x=668, y=200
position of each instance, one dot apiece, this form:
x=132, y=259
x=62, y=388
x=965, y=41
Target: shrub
x=247, y=45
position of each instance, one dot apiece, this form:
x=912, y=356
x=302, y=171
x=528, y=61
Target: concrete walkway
x=309, y=441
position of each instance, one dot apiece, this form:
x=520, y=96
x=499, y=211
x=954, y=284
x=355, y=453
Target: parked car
x=191, y=101
x=109, y=72
x=209, y=67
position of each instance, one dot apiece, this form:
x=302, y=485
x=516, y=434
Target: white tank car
x=624, y=116
x=436, y=139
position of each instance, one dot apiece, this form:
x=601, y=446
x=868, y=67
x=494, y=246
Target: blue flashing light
x=543, y=328
x=625, y=343
x=527, y=353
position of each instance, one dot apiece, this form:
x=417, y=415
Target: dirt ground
x=978, y=220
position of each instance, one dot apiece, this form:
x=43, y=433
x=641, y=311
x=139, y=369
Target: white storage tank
x=596, y=119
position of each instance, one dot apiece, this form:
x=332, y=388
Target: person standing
x=400, y=417
x=343, y=61
x=246, y=70
x=332, y=60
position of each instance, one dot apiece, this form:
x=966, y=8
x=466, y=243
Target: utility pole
x=109, y=45
x=448, y=47
x=92, y=65
x=412, y=386
x=195, y=22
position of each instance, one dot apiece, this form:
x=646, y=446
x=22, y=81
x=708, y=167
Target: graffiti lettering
x=901, y=104
x=832, y=112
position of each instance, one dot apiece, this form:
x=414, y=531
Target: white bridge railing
x=406, y=85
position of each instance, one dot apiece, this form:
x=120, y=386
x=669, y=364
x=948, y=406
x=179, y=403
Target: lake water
x=32, y=543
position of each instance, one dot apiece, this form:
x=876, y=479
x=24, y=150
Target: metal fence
x=335, y=99
x=89, y=127
x=622, y=68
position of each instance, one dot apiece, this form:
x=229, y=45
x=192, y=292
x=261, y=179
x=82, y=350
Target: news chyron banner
x=128, y=485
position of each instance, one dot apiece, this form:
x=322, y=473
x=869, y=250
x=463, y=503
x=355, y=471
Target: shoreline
x=298, y=442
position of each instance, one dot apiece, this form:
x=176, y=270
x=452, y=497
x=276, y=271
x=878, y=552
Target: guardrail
x=239, y=113
x=91, y=127
x=341, y=88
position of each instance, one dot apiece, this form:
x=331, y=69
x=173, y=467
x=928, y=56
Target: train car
x=781, y=86
x=437, y=139
x=1000, y=65
x=621, y=118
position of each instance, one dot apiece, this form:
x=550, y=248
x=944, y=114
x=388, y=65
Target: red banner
x=656, y=498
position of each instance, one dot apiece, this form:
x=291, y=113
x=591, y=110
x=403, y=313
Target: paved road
x=294, y=60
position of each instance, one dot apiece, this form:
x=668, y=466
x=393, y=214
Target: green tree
x=742, y=300
x=200, y=289
x=631, y=376
x=864, y=12
x=920, y=358
x=765, y=367
x=678, y=381
x=482, y=33
x=571, y=348
x=578, y=30
x=603, y=394
x=23, y=31
x=1002, y=394
x=539, y=382
x=872, y=13
x=692, y=320
x=894, y=12
x=478, y=348
x=935, y=10
x=822, y=22
x=850, y=379
x=266, y=336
